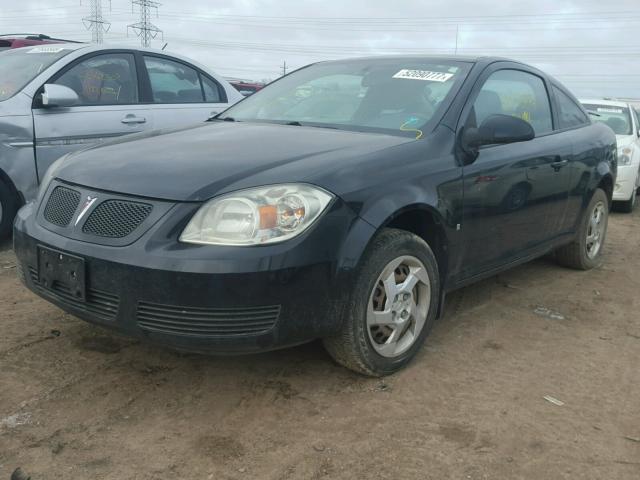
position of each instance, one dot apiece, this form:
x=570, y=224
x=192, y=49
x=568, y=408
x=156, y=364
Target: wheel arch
x=606, y=184
x=6, y=180
x=424, y=221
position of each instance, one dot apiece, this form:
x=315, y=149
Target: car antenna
x=165, y=45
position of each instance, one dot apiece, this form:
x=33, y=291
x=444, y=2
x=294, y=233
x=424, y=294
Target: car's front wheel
x=585, y=252
x=8, y=207
x=392, y=306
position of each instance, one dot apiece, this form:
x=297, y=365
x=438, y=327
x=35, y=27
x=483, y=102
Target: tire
x=407, y=315
x=585, y=252
x=8, y=209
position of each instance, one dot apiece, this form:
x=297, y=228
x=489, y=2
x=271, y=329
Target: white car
x=623, y=120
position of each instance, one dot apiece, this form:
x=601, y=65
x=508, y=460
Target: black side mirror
x=496, y=129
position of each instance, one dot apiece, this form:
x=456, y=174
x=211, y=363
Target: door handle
x=557, y=165
x=129, y=119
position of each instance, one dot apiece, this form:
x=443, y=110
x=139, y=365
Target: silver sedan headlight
x=257, y=216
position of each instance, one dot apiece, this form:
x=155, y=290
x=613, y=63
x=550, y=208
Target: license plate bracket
x=62, y=273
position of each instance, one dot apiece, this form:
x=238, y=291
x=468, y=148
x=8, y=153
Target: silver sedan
x=58, y=98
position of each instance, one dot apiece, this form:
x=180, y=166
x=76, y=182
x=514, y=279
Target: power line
x=98, y=25
x=144, y=28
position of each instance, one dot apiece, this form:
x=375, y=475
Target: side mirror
x=58, y=96
x=497, y=129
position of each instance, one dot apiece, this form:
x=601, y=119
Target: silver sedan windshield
x=21, y=65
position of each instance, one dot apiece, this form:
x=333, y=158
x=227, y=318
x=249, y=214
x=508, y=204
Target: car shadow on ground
x=5, y=245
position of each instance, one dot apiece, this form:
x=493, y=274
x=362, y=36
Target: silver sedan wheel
x=596, y=229
x=398, y=306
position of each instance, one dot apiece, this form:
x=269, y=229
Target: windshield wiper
x=224, y=119
x=295, y=123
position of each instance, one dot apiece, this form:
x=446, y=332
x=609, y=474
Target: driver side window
x=516, y=93
x=107, y=79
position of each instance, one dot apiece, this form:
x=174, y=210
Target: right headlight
x=257, y=216
x=624, y=156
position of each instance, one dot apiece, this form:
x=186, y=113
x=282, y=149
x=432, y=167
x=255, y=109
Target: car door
x=108, y=90
x=179, y=93
x=514, y=194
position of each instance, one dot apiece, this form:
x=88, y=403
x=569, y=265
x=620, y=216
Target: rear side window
x=516, y=93
x=212, y=93
x=570, y=115
x=108, y=79
x=175, y=82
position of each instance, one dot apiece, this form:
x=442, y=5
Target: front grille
x=116, y=218
x=61, y=206
x=101, y=304
x=206, y=322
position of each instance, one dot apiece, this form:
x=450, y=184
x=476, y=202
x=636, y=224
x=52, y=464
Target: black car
x=339, y=203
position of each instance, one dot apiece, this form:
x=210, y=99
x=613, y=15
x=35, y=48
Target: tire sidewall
x=8, y=210
x=390, y=244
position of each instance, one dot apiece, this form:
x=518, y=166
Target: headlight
x=624, y=156
x=257, y=216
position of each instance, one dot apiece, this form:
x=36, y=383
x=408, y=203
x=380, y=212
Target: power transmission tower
x=98, y=25
x=144, y=28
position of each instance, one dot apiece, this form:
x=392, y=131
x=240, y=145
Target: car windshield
x=397, y=96
x=21, y=65
x=618, y=118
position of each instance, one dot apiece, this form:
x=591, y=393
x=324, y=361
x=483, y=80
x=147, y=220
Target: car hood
x=197, y=163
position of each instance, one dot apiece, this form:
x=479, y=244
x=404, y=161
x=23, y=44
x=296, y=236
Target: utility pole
x=457, y=31
x=98, y=25
x=144, y=28
x=284, y=68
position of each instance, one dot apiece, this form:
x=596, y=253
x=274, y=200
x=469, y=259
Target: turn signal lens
x=624, y=156
x=257, y=216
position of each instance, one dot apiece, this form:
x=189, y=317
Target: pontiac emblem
x=85, y=208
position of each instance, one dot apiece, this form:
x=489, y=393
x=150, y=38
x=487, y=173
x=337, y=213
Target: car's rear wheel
x=392, y=307
x=585, y=252
x=8, y=208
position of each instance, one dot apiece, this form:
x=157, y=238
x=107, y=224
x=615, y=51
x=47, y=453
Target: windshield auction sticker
x=46, y=50
x=425, y=75
x=609, y=110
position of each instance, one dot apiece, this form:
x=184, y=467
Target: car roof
x=605, y=102
x=450, y=58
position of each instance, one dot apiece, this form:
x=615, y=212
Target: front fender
x=17, y=162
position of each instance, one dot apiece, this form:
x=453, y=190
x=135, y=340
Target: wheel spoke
x=390, y=286
x=416, y=275
x=377, y=318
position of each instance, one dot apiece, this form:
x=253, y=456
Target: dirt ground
x=77, y=402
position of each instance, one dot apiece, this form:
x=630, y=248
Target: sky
x=593, y=47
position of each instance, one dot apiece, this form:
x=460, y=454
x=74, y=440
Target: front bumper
x=626, y=182
x=207, y=299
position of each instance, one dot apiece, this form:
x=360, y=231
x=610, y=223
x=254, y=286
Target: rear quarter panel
x=595, y=157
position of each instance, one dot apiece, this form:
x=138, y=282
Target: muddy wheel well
x=427, y=226
x=606, y=184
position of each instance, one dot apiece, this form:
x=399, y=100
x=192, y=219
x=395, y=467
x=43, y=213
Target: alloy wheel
x=398, y=306
x=596, y=230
